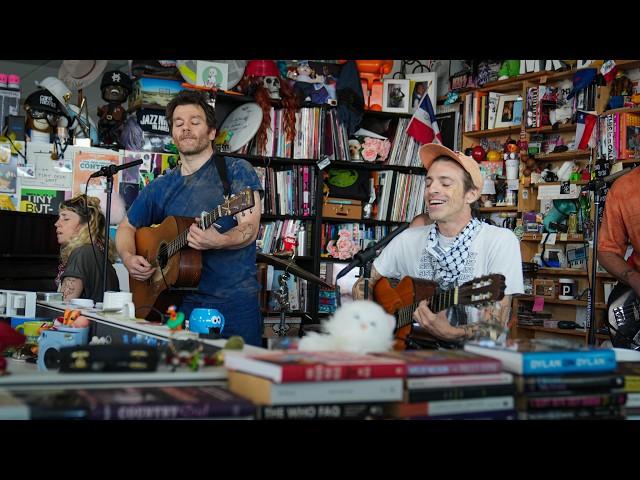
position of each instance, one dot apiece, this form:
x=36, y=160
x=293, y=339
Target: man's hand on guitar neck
x=238, y=237
x=437, y=324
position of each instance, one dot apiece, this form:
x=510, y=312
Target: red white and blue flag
x=585, y=131
x=423, y=125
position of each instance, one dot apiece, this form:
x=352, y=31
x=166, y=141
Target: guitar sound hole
x=163, y=256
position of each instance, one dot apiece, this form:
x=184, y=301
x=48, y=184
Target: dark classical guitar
x=402, y=299
x=179, y=266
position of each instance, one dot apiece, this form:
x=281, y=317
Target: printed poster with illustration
x=39, y=200
x=8, y=201
x=212, y=74
x=84, y=164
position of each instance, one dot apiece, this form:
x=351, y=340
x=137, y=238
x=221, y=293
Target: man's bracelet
x=469, y=331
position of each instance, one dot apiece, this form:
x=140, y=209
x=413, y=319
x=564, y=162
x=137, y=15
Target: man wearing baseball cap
x=454, y=249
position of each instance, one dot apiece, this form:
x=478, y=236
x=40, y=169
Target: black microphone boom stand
x=108, y=172
x=364, y=259
x=108, y=189
x=597, y=186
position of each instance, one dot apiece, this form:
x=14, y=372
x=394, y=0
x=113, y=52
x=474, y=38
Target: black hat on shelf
x=42, y=101
x=115, y=86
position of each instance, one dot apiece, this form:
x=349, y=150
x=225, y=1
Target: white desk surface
x=139, y=325
x=25, y=375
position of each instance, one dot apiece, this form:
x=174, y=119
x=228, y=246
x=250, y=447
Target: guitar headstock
x=238, y=203
x=482, y=290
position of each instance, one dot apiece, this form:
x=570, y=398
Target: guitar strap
x=221, y=165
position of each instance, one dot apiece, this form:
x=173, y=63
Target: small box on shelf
x=544, y=287
x=346, y=208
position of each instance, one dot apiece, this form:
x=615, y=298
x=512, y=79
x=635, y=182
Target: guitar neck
x=207, y=220
x=437, y=303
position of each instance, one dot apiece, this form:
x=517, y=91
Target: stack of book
x=453, y=384
x=630, y=372
x=126, y=403
x=558, y=381
x=293, y=384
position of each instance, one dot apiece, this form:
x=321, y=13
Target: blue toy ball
x=202, y=320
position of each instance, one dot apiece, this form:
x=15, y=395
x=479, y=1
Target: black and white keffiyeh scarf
x=449, y=263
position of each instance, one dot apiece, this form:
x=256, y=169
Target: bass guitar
x=179, y=266
x=624, y=317
x=402, y=299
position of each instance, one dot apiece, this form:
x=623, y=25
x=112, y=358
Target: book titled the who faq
x=545, y=356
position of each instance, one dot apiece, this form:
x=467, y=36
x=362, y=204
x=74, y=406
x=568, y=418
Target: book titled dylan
x=536, y=357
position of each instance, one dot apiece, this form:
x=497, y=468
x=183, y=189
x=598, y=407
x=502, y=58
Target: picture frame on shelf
x=421, y=83
x=509, y=111
x=396, y=95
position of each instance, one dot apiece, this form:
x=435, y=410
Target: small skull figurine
x=272, y=84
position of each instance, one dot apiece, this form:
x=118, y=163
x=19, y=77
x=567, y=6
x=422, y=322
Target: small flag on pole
x=585, y=131
x=423, y=125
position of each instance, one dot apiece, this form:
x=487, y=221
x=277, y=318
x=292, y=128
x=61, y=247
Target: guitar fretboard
x=438, y=302
x=207, y=220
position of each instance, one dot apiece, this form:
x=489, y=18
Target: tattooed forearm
x=71, y=288
x=246, y=230
x=240, y=236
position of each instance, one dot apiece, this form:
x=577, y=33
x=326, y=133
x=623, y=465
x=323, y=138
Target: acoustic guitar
x=402, y=299
x=179, y=266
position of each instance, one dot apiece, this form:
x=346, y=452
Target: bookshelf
x=400, y=206
x=282, y=214
x=531, y=243
x=398, y=182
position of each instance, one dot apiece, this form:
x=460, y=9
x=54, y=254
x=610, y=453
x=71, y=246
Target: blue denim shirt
x=228, y=276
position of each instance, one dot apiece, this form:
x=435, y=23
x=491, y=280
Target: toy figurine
x=185, y=352
x=254, y=83
x=43, y=111
x=371, y=73
x=311, y=87
x=175, y=318
x=509, y=69
x=115, y=88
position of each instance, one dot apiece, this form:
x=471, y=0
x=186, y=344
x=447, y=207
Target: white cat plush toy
x=361, y=326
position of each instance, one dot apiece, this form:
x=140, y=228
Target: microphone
x=111, y=170
x=361, y=258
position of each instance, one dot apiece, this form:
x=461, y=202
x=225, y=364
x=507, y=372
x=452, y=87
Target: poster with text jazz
x=40, y=200
x=84, y=164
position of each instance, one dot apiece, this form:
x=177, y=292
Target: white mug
x=116, y=299
x=129, y=310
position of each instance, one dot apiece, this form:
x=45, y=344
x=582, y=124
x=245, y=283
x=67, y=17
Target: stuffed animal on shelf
x=311, y=87
x=361, y=326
